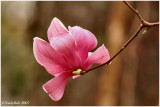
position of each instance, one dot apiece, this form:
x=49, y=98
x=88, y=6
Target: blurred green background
x=132, y=79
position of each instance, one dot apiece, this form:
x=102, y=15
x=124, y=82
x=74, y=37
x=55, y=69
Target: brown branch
x=123, y=47
x=144, y=24
x=135, y=11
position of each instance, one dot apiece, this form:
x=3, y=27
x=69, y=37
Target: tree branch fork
x=144, y=24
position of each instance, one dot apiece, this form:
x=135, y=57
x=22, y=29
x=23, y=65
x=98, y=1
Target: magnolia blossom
x=67, y=51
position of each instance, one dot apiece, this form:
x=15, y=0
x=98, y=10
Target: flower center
x=78, y=72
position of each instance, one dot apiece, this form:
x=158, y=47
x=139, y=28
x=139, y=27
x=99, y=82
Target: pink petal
x=48, y=57
x=85, y=41
x=76, y=76
x=55, y=87
x=66, y=45
x=56, y=28
x=100, y=56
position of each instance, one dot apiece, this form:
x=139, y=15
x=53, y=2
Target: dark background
x=131, y=79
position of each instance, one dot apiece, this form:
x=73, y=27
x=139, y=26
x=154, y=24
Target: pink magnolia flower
x=66, y=52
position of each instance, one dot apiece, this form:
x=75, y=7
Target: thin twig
x=135, y=11
x=144, y=24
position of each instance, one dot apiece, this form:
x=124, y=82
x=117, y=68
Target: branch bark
x=144, y=24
